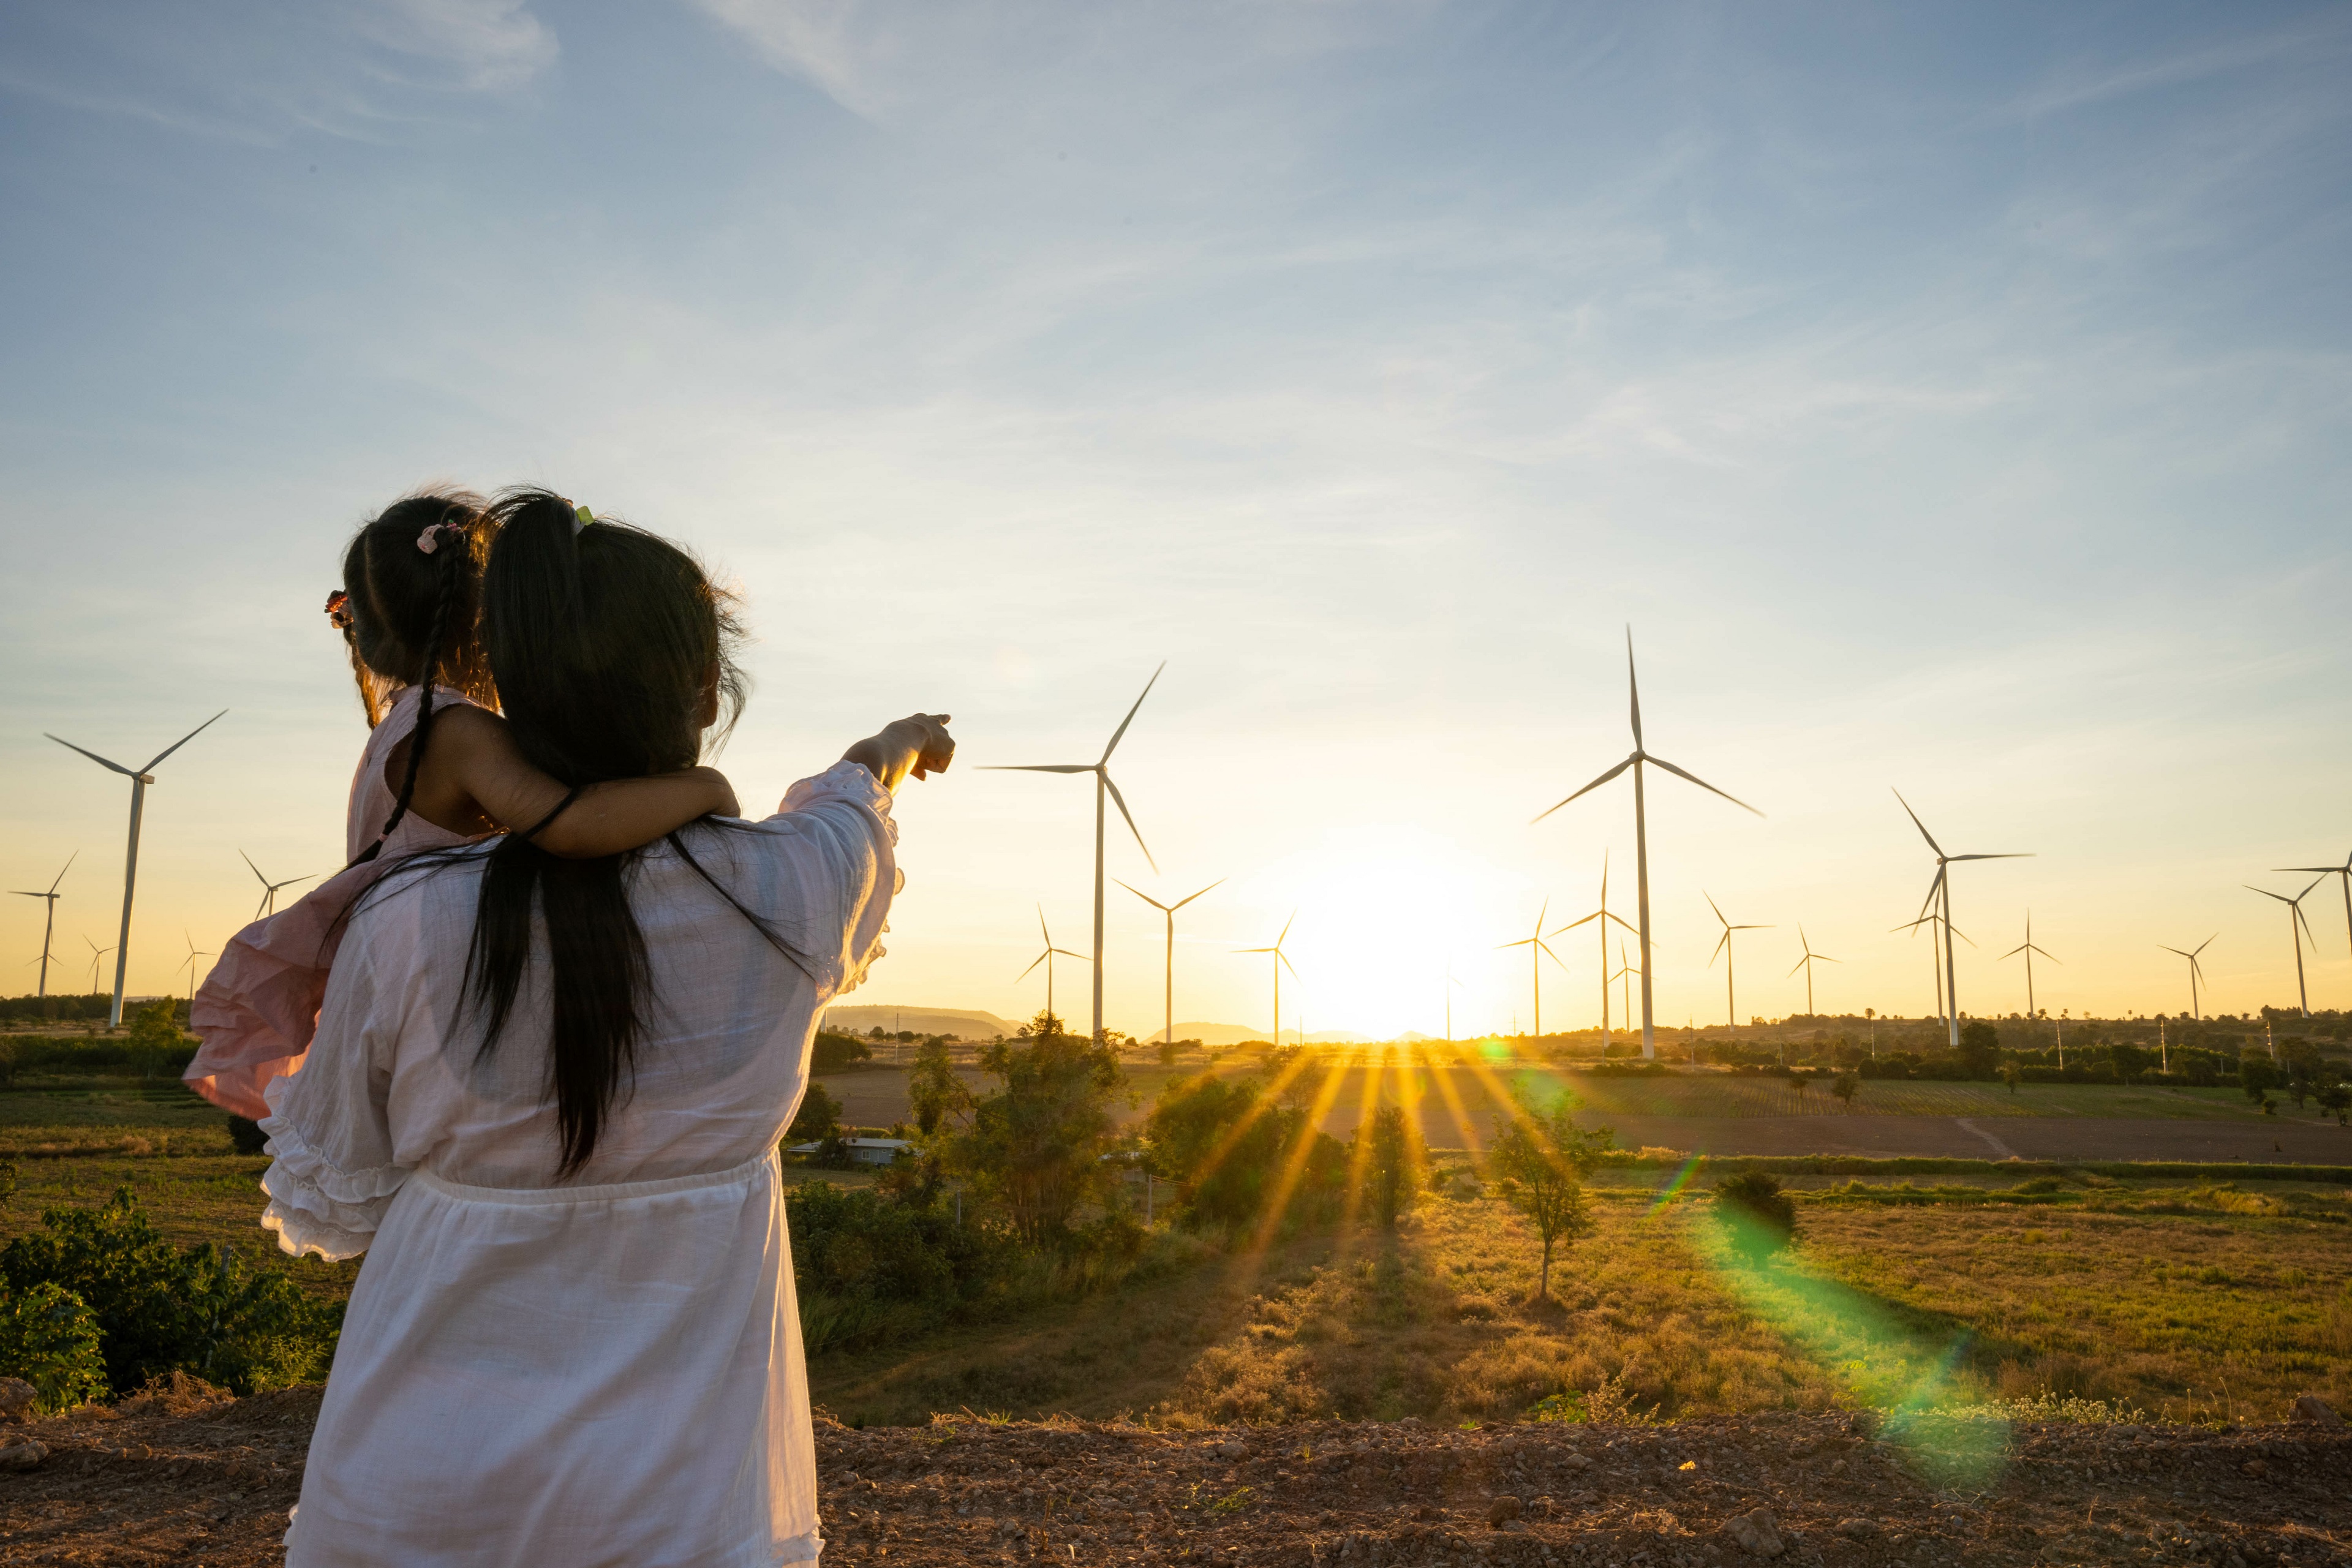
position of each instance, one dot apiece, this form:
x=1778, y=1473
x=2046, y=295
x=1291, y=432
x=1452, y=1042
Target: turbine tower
x=2196, y=970
x=1537, y=953
x=1723, y=951
x=49, y=919
x=1626, y=973
x=1450, y=984
x=1940, y=933
x=96, y=953
x=1605, y=917
x=1281, y=962
x=1642, y=833
x=1169, y=995
x=1942, y=887
x=1046, y=958
x=140, y=779
x=2027, y=948
x=1100, y=768
x=2298, y=928
x=1806, y=964
x=2342, y=873
x=269, y=905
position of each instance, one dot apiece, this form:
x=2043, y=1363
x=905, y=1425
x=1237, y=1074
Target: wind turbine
x=1168, y=996
x=2298, y=928
x=1100, y=768
x=1626, y=973
x=1806, y=964
x=269, y=904
x=96, y=953
x=1281, y=962
x=1046, y=958
x=1605, y=917
x=2027, y=948
x=1641, y=832
x=49, y=919
x=1722, y=950
x=195, y=953
x=2344, y=874
x=1537, y=953
x=2196, y=970
x=140, y=779
x=1940, y=933
x=1942, y=886
x=1450, y=984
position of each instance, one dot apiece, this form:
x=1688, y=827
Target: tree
x=1394, y=1157
x=934, y=1092
x=2010, y=1074
x=1845, y=1087
x=1760, y=1217
x=2258, y=1078
x=817, y=1119
x=1230, y=1151
x=1800, y=1082
x=833, y=1053
x=1979, y=1048
x=1540, y=1158
x=1034, y=1149
x=1168, y=1053
x=2336, y=1100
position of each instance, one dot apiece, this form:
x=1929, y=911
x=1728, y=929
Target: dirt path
x=211, y=1485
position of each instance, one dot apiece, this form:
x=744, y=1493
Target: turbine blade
x=1825, y=958
x=1253, y=949
x=1288, y=964
x=184, y=739
x=1573, y=924
x=2026, y=856
x=1959, y=932
x=1920, y=826
x=1038, y=768
x=1190, y=897
x=1286, y=930
x=1117, y=734
x=1703, y=785
x=2053, y=958
x=1633, y=688
x=1624, y=924
x=1032, y=963
x=2207, y=943
x=2013, y=952
x=94, y=757
x=1713, y=905
x=1081, y=957
x=67, y=867
x=254, y=868
x=1147, y=898
x=1799, y=964
x=1588, y=789
x=2265, y=892
x=1120, y=801
x=1721, y=942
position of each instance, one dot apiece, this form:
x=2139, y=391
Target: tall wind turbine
x=1537, y=953
x=1723, y=951
x=1100, y=768
x=1806, y=964
x=96, y=953
x=1046, y=958
x=2196, y=970
x=2342, y=873
x=1641, y=832
x=269, y=904
x=140, y=779
x=2298, y=928
x=1605, y=917
x=1942, y=887
x=1169, y=995
x=2027, y=948
x=195, y=953
x=49, y=919
x=1450, y=984
x=1281, y=962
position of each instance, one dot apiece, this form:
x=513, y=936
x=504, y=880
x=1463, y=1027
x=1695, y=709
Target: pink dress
x=257, y=1011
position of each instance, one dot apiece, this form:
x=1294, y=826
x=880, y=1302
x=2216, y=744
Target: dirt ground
x=209, y=1484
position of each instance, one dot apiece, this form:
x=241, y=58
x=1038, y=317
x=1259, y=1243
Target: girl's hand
x=722, y=792
x=918, y=743
x=934, y=747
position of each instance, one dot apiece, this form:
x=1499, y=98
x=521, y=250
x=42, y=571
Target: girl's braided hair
x=414, y=575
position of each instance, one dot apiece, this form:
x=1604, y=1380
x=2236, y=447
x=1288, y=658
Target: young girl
x=440, y=768
x=545, y=1101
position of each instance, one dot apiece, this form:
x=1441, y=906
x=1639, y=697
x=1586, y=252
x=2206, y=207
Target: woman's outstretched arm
x=918, y=744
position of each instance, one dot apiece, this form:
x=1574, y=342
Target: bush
x=1760, y=1218
x=161, y=1308
x=869, y=1269
x=48, y=1338
x=247, y=1137
x=817, y=1120
x=833, y=1053
x=1228, y=1150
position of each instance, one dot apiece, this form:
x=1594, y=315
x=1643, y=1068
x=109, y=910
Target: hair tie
x=580, y=518
x=428, y=541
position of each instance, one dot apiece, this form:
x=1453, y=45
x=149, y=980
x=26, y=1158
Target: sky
x=1950, y=398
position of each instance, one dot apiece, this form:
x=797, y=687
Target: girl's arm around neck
x=475, y=776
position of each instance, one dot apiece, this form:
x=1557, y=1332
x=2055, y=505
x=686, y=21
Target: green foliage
x=833, y=1053
x=247, y=1137
x=160, y=1308
x=1033, y=1150
x=868, y=1268
x=934, y=1092
x=1540, y=1158
x=1394, y=1160
x=1845, y=1085
x=1979, y=1048
x=7, y=1178
x=48, y=1338
x=1229, y=1150
x=1760, y=1218
x=817, y=1119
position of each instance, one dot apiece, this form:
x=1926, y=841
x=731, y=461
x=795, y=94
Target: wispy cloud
x=487, y=43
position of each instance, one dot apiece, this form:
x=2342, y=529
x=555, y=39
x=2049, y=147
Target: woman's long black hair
x=608, y=645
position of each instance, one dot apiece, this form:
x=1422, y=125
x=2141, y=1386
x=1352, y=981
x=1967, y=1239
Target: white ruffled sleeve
x=333, y=1175
x=842, y=819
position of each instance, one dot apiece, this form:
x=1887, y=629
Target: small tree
x=817, y=1119
x=1034, y=1148
x=2010, y=1075
x=934, y=1092
x=1540, y=1158
x=48, y=1338
x=1800, y=1082
x=1760, y=1217
x=1168, y=1053
x=1395, y=1160
x=1845, y=1085
x=2336, y=1100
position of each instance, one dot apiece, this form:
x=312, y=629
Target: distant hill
x=922, y=1020
x=1234, y=1034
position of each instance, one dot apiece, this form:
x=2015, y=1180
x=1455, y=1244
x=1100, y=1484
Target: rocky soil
x=190, y=1478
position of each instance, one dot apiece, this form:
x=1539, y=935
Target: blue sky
x=1950, y=398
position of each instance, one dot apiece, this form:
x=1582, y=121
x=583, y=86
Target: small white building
x=862, y=1151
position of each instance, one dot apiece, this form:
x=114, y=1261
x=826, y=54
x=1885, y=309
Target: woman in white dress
x=544, y=1099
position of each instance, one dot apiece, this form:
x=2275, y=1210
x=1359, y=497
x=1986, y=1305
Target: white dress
x=606, y=1370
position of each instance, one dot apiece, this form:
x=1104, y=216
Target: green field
x=1727, y=1095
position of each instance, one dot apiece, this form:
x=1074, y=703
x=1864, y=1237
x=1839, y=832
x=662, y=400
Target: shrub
x=818, y=1119
x=247, y=1137
x=1760, y=1218
x=48, y=1338
x=1228, y=1150
x=869, y=1269
x=160, y=1308
x=832, y=1053
x=1395, y=1161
